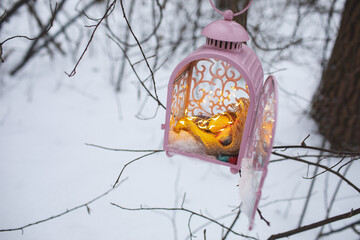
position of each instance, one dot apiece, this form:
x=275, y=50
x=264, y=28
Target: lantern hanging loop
x=228, y=14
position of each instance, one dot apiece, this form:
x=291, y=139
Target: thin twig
x=312, y=184
x=8, y=13
x=127, y=164
x=107, y=13
x=154, y=31
x=84, y=205
x=208, y=223
x=126, y=49
x=189, y=226
x=42, y=33
x=232, y=224
x=319, y=165
x=44, y=30
x=351, y=225
x=285, y=147
x=303, y=144
x=332, y=201
x=315, y=225
x=33, y=50
x=262, y=217
x=141, y=50
x=136, y=74
x=122, y=150
x=332, y=167
x=32, y=10
x=183, y=210
x=282, y=200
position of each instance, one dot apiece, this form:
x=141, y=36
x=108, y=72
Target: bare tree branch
x=122, y=150
x=84, y=205
x=351, y=225
x=232, y=224
x=126, y=49
x=187, y=211
x=312, y=184
x=127, y=164
x=285, y=147
x=262, y=217
x=189, y=226
x=43, y=32
x=8, y=13
x=137, y=75
x=34, y=49
x=141, y=50
x=321, y=166
x=106, y=14
x=332, y=201
x=315, y=225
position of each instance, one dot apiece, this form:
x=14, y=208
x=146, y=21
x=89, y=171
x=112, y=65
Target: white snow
x=184, y=141
x=248, y=187
x=45, y=167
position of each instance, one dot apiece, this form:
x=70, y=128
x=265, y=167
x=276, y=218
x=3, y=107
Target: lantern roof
x=226, y=30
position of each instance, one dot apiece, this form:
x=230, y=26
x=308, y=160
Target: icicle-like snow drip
x=257, y=153
x=248, y=187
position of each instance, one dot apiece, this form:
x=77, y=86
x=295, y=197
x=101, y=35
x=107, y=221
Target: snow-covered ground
x=46, y=119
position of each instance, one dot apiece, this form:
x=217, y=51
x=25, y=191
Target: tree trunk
x=336, y=104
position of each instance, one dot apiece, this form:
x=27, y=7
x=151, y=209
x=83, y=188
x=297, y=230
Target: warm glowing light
x=267, y=107
x=217, y=123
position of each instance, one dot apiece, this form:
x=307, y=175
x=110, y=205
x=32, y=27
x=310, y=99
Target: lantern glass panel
x=210, y=101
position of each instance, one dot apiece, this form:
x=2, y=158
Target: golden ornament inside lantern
x=210, y=102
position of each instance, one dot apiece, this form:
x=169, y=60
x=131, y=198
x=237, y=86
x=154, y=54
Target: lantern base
x=206, y=158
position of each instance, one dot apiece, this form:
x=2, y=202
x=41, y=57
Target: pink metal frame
x=246, y=62
x=262, y=136
x=259, y=129
x=226, y=12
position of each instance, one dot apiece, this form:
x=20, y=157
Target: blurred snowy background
x=47, y=119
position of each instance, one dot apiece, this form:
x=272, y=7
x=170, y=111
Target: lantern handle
x=227, y=11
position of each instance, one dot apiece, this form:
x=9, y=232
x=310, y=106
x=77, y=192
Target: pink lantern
x=218, y=108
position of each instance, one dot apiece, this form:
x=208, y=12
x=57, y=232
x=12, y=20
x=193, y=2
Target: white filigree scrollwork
x=263, y=128
x=205, y=88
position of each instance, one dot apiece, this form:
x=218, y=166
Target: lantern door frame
x=266, y=113
x=254, y=83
